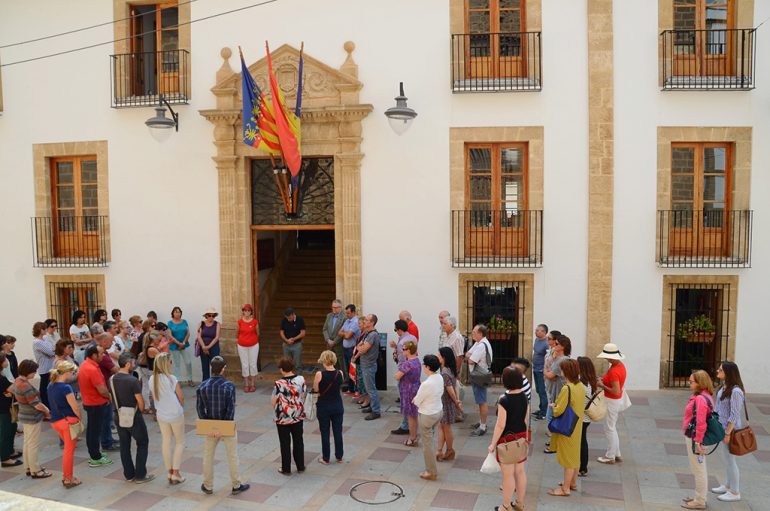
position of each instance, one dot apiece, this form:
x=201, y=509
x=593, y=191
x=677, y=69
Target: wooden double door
x=496, y=40
x=75, y=223
x=154, y=49
x=704, y=39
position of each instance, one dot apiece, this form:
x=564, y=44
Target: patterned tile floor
x=654, y=475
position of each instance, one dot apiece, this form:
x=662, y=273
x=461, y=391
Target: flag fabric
x=287, y=123
x=352, y=371
x=259, y=129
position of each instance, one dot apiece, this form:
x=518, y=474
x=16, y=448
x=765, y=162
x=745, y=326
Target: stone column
x=600, y=174
x=347, y=220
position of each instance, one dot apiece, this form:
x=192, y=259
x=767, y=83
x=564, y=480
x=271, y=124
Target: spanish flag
x=287, y=123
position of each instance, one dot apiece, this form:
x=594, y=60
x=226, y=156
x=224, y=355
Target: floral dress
x=449, y=413
x=408, y=385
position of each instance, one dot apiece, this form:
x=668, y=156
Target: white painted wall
x=163, y=199
x=640, y=107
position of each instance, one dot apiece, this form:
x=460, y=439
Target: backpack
x=715, y=432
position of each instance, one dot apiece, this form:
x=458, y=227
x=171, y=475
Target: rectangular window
x=64, y=298
x=155, y=45
x=698, y=331
x=500, y=306
x=495, y=31
x=496, y=200
x=76, y=229
x=700, y=199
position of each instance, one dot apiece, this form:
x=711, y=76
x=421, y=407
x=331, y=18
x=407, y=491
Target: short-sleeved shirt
x=247, y=333
x=456, y=342
x=89, y=376
x=479, y=353
x=292, y=328
x=106, y=366
x=556, y=385
x=351, y=325
x=81, y=332
x=539, y=348
x=126, y=388
x=369, y=358
x=118, y=345
x=407, y=337
x=28, y=397
x=167, y=405
x=179, y=332
x=97, y=328
x=615, y=373
x=57, y=399
x=289, y=408
x=515, y=406
x=412, y=329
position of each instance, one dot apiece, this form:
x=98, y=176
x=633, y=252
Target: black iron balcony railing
x=497, y=62
x=497, y=239
x=709, y=59
x=138, y=78
x=69, y=241
x=704, y=238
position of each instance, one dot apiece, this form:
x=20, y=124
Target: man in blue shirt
x=349, y=333
x=540, y=346
x=216, y=401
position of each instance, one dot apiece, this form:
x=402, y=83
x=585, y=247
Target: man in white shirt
x=481, y=354
x=454, y=340
x=441, y=332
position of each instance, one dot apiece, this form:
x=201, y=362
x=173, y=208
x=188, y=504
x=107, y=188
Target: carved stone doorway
x=331, y=125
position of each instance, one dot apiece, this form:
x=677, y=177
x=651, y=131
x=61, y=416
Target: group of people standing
x=114, y=372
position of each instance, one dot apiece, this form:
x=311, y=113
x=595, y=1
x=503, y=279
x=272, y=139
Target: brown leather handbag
x=743, y=441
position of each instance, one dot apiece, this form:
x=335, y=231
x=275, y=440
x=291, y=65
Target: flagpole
x=278, y=184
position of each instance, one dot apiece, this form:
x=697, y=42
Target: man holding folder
x=216, y=412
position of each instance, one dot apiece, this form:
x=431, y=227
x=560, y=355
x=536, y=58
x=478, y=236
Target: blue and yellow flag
x=259, y=129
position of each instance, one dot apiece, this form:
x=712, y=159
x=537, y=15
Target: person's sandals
x=583, y=473
x=428, y=476
x=450, y=455
x=692, y=505
x=410, y=442
x=503, y=508
x=71, y=483
x=14, y=463
x=558, y=492
x=548, y=450
x=322, y=461
x=29, y=474
x=16, y=455
x=571, y=487
x=40, y=474
x=439, y=456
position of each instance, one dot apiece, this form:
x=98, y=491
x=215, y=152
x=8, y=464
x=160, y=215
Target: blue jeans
x=206, y=361
x=97, y=416
x=540, y=387
x=334, y=420
x=371, y=386
x=107, y=439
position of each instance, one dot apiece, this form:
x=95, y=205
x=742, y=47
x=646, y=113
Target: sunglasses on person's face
x=208, y=316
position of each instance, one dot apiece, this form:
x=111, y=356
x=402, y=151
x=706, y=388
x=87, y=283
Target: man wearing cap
x=331, y=331
x=292, y=333
x=612, y=382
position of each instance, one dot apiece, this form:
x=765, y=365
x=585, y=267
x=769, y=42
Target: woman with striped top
x=730, y=405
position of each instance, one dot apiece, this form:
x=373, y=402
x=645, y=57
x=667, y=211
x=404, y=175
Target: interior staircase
x=308, y=286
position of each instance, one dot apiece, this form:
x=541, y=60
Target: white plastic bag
x=490, y=465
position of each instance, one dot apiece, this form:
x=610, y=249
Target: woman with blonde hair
x=64, y=413
x=330, y=410
x=169, y=401
x=698, y=409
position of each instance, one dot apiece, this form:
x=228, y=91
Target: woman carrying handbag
x=510, y=434
x=731, y=407
x=65, y=417
x=566, y=438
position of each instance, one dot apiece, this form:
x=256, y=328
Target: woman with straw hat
x=613, y=382
x=208, y=340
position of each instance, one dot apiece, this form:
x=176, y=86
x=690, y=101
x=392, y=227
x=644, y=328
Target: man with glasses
x=331, y=331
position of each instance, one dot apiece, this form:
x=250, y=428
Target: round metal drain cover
x=376, y=492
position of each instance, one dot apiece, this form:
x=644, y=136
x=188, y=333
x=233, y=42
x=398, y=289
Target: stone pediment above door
x=323, y=86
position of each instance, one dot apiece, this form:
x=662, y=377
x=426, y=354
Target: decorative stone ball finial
x=349, y=47
x=226, y=53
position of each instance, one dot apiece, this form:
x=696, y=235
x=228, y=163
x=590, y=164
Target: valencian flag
x=259, y=130
x=287, y=123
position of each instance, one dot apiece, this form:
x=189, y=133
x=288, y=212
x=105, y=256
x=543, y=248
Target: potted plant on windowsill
x=698, y=329
x=500, y=329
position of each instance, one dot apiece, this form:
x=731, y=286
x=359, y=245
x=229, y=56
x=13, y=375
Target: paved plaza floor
x=654, y=476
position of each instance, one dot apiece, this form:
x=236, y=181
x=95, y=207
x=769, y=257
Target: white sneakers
x=725, y=495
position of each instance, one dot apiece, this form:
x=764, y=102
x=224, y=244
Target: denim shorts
x=479, y=394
